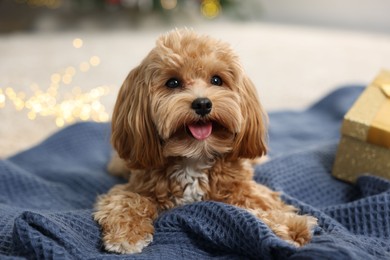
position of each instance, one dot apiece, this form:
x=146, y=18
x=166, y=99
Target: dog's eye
x=173, y=83
x=216, y=80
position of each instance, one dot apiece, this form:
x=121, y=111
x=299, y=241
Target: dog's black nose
x=202, y=106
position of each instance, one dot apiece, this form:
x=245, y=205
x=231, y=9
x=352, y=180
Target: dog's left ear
x=250, y=142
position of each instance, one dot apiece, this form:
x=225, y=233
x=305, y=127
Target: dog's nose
x=202, y=106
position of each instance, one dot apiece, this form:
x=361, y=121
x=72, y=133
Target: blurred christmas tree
x=208, y=8
x=64, y=14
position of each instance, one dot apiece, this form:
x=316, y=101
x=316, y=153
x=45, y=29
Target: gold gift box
x=364, y=146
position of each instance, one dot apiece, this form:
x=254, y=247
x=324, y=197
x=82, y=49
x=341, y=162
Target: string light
x=75, y=105
x=66, y=107
x=94, y=61
x=78, y=43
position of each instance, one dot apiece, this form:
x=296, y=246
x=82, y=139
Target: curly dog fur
x=186, y=124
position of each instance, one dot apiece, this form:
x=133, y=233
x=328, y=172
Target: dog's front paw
x=300, y=229
x=289, y=226
x=127, y=237
x=126, y=220
x=127, y=247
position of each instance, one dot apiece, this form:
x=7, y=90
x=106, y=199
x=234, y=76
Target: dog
x=186, y=124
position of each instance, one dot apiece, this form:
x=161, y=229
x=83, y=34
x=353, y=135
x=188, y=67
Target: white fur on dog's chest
x=191, y=177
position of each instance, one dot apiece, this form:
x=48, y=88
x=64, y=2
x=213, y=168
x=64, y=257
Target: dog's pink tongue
x=201, y=131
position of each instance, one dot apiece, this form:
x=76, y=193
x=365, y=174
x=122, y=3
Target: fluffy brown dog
x=186, y=121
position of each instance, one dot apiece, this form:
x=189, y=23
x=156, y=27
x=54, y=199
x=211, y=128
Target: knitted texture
x=47, y=195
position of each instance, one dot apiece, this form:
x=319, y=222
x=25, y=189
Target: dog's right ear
x=134, y=135
x=250, y=142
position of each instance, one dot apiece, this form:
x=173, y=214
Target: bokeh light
x=64, y=106
x=168, y=4
x=94, y=61
x=78, y=43
x=210, y=8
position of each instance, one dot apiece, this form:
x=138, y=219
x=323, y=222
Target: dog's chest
x=192, y=179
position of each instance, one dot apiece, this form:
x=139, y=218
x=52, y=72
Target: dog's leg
x=126, y=219
x=289, y=226
x=280, y=217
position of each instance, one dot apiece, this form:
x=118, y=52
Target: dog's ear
x=250, y=142
x=133, y=133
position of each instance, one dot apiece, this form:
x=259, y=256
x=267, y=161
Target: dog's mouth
x=200, y=130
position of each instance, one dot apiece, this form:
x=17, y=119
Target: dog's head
x=188, y=98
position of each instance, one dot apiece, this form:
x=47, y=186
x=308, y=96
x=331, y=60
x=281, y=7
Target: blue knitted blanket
x=47, y=194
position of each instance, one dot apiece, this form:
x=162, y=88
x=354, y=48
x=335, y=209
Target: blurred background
x=63, y=61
